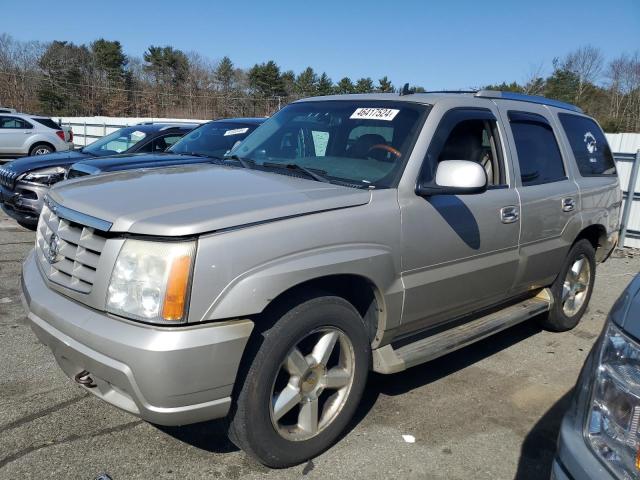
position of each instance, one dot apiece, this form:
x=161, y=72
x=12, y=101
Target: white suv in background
x=22, y=134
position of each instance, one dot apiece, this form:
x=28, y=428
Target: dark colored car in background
x=210, y=141
x=24, y=182
x=600, y=434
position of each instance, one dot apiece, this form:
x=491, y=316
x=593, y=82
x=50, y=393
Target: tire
x=28, y=225
x=270, y=361
x=564, y=315
x=41, y=149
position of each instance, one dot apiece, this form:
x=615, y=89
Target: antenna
x=405, y=90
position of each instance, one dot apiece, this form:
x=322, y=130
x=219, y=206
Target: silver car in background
x=22, y=135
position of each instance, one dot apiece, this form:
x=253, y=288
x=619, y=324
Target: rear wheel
x=572, y=288
x=303, y=384
x=41, y=149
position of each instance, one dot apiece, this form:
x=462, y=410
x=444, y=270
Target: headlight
x=150, y=281
x=45, y=176
x=614, y=415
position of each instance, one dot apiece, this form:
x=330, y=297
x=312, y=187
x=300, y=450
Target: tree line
x=65, y=79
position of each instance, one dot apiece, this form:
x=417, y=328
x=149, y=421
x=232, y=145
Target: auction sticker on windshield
x=374, y=114
x=236, y=131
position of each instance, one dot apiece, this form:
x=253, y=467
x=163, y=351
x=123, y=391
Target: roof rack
x=527, y=98
x=451, y=91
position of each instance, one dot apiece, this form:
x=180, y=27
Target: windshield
x=363, y=143
x=213, y=139
x=116, y=142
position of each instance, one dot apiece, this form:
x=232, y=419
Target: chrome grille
x=8, y=178
x=71, y=258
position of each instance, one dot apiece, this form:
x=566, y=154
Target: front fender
x=251, y=292
x=240, y=271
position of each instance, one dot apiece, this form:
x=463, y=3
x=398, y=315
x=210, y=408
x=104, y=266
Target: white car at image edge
x=22, y=135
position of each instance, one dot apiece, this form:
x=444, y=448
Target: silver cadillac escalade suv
x=346, y=234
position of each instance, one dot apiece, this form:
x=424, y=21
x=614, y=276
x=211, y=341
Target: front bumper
x=24, y=202
x=167, y=376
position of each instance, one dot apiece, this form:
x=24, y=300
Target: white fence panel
x=89, y=129
x=624, y=142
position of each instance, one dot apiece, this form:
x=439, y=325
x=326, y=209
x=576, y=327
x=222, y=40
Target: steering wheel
x=386, y=148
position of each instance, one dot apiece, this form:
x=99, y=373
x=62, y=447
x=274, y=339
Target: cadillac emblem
x=52, y=252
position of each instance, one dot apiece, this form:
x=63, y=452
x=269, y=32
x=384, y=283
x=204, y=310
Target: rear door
x=13, y=133
x=549, y=197
x=460, y=252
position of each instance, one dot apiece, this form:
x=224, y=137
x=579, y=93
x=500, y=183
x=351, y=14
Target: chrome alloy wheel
x=41, y=151
x=311, y=388
x=576, y=286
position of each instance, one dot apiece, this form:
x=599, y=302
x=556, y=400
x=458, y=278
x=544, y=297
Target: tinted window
x=475, y=140
x=363, y=142
x=589, y=145
x=116, y=142
x=538, y=152
x=47, y=122
x=167, y=141
x=12, y=122
x=214, y=138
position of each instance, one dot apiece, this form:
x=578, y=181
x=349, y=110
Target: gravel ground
x=489, y=411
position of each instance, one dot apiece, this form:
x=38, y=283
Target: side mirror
x=455, y=177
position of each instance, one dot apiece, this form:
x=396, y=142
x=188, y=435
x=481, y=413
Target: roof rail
x=451, y=91
x=527, y=98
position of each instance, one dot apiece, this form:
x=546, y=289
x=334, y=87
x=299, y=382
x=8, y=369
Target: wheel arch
x=356, y=289
x=41, y=142
x=596, y=234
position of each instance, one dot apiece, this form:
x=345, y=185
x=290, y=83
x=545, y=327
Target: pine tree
x=364, y=85
x=325, y=85
x=345, y=85
x=384, y=85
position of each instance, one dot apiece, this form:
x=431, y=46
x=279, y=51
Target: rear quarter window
x=47, y=122
x=589, y=145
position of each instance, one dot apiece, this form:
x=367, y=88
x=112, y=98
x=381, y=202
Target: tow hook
x=84, y=378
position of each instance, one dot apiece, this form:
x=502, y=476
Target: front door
x=460, y=252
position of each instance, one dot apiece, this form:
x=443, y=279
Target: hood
x=130, y=161
x=193, y=199
x=62, y=159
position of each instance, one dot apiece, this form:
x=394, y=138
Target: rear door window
x=539, y=156
x=589, y=145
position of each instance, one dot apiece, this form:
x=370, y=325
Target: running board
x=389, y=360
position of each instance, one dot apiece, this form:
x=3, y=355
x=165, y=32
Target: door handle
x=509, y=214
x=568, y=204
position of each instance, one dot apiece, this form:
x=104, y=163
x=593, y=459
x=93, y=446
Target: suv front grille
x=67, y=251
x=7, y=178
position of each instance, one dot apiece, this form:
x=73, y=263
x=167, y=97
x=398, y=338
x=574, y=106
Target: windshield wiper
x=245, y=162
x=195, y=154
x=294, y=166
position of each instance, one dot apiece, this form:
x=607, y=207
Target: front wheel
x=572, y=288
x=304, y=382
